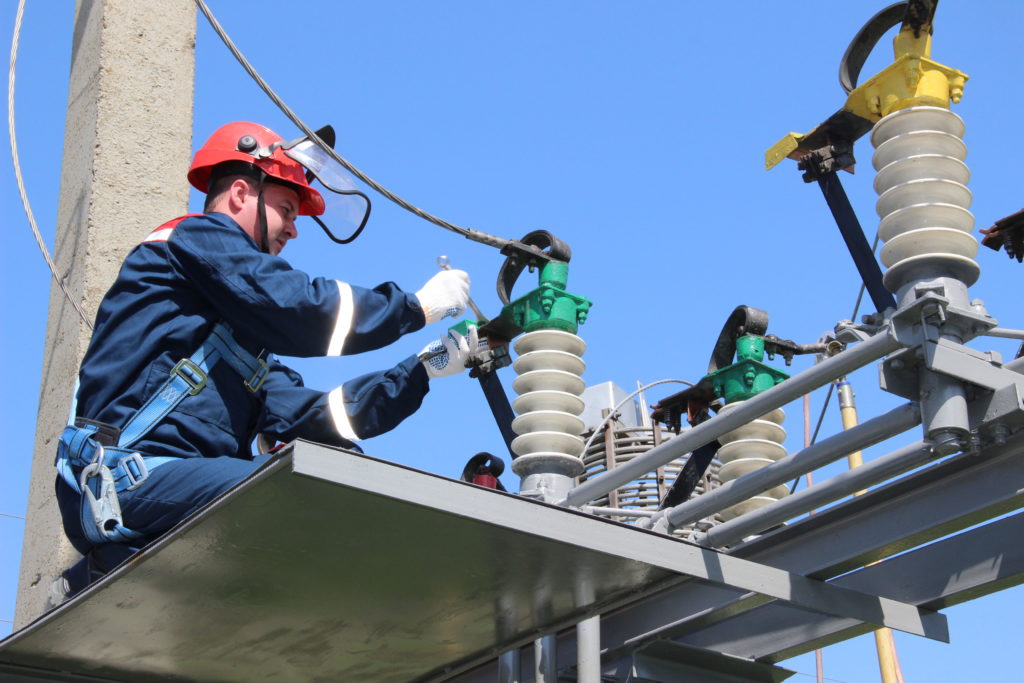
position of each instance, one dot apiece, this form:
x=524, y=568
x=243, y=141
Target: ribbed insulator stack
x=549, y=383
x=923, y=197
x=748, y=448
x=644, y=493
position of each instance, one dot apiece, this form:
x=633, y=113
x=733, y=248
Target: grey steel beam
x=667, y=662
x=828, y=370
x=1017, y=365
x=842, y=485
x=1004, y=332
x=964, y=567
x=828, y=450
x=903, y=515
x=899, y=516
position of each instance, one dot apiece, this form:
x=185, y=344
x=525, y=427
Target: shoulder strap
x=188, y=377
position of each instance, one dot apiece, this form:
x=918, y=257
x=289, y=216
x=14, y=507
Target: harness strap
x=107, y=471
x=188, y=378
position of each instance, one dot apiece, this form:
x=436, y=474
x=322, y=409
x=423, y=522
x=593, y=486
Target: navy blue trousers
x=172, y=492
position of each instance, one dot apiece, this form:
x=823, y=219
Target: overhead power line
x=468, y=233
x=17, y=170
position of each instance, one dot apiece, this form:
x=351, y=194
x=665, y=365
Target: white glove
x=444, y=295
x=451, y=354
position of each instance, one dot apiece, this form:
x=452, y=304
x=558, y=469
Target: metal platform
x=329, y=565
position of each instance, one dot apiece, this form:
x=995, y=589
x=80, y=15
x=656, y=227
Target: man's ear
x=237, y=194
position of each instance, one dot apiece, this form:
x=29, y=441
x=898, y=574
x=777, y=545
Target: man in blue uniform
x=179, y=377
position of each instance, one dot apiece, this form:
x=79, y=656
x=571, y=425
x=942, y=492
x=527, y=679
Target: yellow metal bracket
x=913, y=79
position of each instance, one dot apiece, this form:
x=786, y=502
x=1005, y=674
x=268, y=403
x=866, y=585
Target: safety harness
x=98, y=461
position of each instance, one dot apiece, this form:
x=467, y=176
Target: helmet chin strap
x=261, y=216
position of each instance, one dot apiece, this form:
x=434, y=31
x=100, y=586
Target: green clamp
x=549, y=306
x=748, y=376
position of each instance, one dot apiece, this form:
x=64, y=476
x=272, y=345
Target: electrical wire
x=610, y=415
x=468, y=233
x=17, y=169
x=7, y=514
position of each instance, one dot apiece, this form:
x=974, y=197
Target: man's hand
x=444, y=295
x=451, y=354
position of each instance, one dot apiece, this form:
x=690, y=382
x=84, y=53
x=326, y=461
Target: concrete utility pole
x=127, y=143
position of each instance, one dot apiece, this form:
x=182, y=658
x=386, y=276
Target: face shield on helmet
x=346, y=205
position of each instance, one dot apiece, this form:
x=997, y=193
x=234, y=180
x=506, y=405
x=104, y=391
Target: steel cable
x=17, y=169
x=468, y=233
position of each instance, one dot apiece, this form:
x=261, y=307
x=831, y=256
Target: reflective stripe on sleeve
x=160, y=235
x=336, y=403
x=343, y=323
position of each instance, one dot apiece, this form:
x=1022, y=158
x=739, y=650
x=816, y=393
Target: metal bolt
x=247, y=143
x=999, y=434
x=947, y=442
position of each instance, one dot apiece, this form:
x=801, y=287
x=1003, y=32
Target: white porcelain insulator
x=748, y=448
x=923, y=200
x=548, y=385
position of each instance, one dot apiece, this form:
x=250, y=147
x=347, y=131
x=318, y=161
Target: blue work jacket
x=195, y=271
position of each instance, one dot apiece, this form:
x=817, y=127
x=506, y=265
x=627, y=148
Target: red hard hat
x=245, y=141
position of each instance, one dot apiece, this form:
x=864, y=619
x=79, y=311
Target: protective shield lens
x=348, y=207
x=327, y=170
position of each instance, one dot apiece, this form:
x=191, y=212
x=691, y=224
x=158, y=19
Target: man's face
x=282, y=206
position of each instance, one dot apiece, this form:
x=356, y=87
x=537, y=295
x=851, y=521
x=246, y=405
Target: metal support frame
x=588, y=650
x=828, y=370
x=888, y=520
x=545, y=659
x=667, y=662
x=823, y=165
x=964, y=567
x=828, y=450
x=831, y=490
x=509, y=669
x=881, y=523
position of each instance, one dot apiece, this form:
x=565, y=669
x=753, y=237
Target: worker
x=180, y=376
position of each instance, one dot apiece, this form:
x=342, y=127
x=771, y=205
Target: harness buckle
x=104, y=507
x=254, y=383
x=191, y=373
x=134, y=480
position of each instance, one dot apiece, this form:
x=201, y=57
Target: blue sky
x=633, y=131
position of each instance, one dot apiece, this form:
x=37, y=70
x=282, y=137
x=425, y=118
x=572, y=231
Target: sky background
x=634, y=131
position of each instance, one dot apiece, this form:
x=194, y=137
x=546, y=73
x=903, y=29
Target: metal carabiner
x=105, y=508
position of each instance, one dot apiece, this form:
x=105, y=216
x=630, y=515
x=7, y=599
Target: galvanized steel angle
x=974, y=367
x=997, y=414
x=898, y=374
